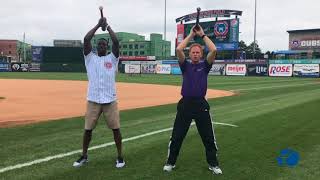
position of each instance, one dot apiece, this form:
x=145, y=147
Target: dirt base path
x=30, y=101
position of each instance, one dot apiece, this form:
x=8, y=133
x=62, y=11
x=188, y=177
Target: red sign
x=133, y=58
x=180, y=33
x=236, y=69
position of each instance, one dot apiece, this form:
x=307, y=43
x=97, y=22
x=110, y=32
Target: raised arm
x=87, y=47
x=115, y=41
x=182, y=45
x=212, y=48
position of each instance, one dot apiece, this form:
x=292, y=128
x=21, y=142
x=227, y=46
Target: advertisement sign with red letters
x=236, y=70
x=283, y=70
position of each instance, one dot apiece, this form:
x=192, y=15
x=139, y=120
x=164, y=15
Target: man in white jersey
x=101, y=97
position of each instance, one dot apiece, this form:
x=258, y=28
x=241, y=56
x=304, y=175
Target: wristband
x=203, y=36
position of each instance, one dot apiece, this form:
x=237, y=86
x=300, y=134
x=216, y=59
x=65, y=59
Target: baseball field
x=265, y=116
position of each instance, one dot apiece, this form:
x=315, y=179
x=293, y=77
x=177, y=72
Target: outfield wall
x=4, y=67
x=248, y=67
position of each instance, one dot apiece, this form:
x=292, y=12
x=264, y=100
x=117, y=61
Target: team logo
x=288, y=157
x=108, y=65
x=16, y=67
x=295, y=43
x=221, y=28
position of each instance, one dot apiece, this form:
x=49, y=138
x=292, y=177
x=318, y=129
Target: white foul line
x=225, y=124
x=18, y=166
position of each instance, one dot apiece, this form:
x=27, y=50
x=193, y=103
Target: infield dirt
x=30, y=101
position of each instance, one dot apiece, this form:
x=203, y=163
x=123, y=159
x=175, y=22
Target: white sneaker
x=81, y=161
x=168, y=167
x=215, y=169
x=120, y=163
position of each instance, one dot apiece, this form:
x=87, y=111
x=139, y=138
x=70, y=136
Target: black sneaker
x=81, y=161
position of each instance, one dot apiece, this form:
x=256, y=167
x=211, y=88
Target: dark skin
x=102, y=51
x=102, y=44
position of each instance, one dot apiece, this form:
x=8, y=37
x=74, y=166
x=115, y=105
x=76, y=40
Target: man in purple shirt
x=193, y=104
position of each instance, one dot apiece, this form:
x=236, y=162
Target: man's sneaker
x=215, y=169
x=120, y=163
x=81, y=161
x=168, y=167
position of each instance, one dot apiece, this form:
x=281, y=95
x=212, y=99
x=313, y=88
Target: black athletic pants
x=199, y=110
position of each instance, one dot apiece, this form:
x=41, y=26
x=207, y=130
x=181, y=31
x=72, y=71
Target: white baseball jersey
x=101, y=72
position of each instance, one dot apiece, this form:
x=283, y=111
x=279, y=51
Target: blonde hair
x=196, y=45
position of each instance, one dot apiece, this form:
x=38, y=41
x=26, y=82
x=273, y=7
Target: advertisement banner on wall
x=236, y=70
x=163, y=69
x=132, y=58
x=151, y=57
x=241, y=61
x=137, y=58
x=218, y=70
x=19, y=67
x=306, y=70
x=227, y=46
x=148, y=62
x=175, y=69
x=4, y=67
x=131, y=62
x=132, y=69
x=169, y=62
x=148, y=68
x=282, y=70
x=34, y=67
x=234, y=30
x=36, y=53
x=295, y=61
x=257, y=70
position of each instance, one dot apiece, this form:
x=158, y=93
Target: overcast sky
x=44, y=20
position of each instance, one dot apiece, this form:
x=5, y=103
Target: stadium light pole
x=255, y=28
x=24, y=47
x=165, y=19
x=165, y=26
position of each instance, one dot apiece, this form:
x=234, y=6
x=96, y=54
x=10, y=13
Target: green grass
x=272, y=114
x=43, y=75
